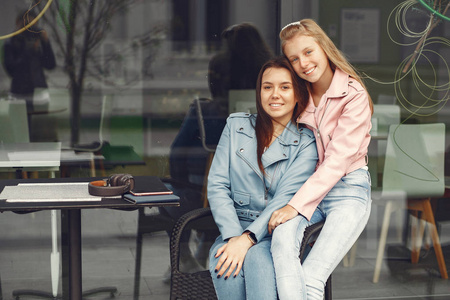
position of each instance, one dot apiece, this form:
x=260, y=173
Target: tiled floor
x=109, y=238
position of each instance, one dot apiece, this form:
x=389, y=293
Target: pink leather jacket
x=341, y=125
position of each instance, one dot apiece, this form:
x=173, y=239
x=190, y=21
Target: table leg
x=71, y=253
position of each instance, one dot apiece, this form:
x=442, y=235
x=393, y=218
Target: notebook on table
x=151, y=199
x=150, y=189
x=149, y=185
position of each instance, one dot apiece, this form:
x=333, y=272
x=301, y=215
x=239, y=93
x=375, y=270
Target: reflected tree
x=77, y=27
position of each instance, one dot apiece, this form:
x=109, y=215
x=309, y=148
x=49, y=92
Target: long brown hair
x=264, y=126
x=309, y=27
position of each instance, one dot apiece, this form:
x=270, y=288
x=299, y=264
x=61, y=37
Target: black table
x=70, y=226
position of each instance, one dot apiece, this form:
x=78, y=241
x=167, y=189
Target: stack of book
x=150, y=189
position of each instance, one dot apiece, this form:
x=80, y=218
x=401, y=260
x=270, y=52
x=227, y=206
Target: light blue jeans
x=256, y=279
x=346, y=210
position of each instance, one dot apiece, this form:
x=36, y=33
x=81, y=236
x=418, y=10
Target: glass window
x=114, y=82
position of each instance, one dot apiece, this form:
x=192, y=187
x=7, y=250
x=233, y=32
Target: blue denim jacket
x=241, y=198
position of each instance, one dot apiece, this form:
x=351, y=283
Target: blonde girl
x=338, y=112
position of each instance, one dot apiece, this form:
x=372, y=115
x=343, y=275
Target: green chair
x=384, y=115
x=413, y=174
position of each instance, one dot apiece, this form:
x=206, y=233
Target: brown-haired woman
x=260, y=162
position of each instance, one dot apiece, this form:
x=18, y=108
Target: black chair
x=199, y=285
x=147, y=223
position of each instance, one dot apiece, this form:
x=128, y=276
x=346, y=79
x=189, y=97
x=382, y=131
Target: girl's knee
x=285, y=241
x=284, y=251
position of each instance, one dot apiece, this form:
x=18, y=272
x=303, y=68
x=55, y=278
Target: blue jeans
x=346, y=210
x=256, y=279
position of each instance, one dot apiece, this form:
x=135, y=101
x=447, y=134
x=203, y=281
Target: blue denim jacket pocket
x=242, y=199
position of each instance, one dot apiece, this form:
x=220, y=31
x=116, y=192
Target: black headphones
x=115, y=185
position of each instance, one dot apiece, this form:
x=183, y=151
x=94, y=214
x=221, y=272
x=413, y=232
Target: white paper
x=48, y=192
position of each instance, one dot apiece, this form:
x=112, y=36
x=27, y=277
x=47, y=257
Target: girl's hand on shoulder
x=232, y=256
x=280, y=216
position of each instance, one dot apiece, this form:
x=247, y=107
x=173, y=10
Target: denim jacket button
x=240, y=202
x=241, y=150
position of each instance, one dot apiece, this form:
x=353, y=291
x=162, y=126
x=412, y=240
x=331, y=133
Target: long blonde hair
x=309, y=27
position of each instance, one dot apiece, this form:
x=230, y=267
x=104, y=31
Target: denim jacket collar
x=276, y=152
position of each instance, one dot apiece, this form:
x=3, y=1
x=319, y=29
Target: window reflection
x=127, y=71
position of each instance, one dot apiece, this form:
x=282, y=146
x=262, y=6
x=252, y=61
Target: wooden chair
x=413, y=174
x=199, y=285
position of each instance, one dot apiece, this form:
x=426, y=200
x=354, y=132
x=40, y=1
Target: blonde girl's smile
x=308, y=59
x=310, y=71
